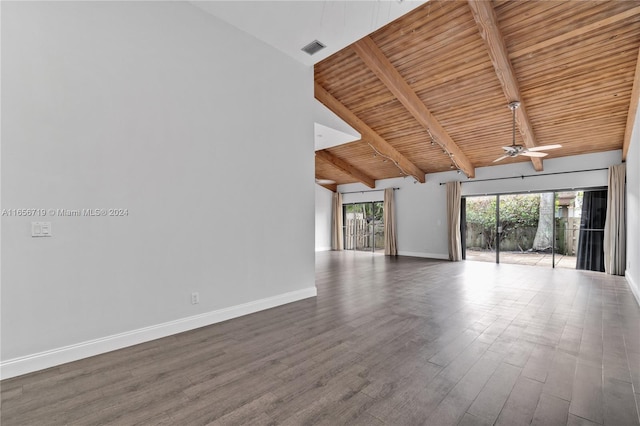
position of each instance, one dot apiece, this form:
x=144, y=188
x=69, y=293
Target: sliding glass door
x=557, y=229
x=526, y=228
x=568, y=209
x=479, y=224
x=364, y=226
x=590, y=252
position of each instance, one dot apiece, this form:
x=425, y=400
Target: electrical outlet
x=195, y=298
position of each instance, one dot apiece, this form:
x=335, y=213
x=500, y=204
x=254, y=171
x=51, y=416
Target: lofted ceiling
x=290, y=25
x=429, y=92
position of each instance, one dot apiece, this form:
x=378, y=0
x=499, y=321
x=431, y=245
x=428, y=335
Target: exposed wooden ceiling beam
x=633, y=109
x=346, y=167
x=333, y=187
x=577, y=32
x=487, y=21
x=368, y=134
x=373, y=57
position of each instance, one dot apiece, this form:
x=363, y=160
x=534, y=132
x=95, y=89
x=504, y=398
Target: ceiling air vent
x=313, y=47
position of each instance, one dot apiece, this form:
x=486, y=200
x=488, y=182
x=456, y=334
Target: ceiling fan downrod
x=513, y=106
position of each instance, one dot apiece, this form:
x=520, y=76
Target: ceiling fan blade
x=500, y=158
x=544, y=147
x=534, y=154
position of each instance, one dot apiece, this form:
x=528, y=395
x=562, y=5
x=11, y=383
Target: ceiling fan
x=515, y=150
x=325, y=181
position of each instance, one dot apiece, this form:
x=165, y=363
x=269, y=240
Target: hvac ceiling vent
x=313, y=47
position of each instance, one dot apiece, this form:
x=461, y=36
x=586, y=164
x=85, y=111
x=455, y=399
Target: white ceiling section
x=327, y=137
x=329, y=129
x=290, y=25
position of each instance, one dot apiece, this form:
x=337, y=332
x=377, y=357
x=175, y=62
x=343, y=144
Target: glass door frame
x=498, y=228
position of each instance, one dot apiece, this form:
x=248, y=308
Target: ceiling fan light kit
x=515, y=149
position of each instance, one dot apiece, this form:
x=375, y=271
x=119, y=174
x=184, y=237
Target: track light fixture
x=387, y=158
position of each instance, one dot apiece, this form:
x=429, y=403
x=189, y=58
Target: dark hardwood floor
x=395, y=341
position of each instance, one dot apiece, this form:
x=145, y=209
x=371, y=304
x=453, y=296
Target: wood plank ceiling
x=429, y=92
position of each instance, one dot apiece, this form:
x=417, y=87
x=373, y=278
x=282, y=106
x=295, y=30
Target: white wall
x=421, y=208
x=633, y=210
x=323, y=218
x=164, y=110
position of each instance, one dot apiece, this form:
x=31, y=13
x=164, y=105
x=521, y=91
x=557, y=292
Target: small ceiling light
x=459, y=172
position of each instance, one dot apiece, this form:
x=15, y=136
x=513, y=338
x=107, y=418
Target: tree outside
x=369, y=211
x=544, y=234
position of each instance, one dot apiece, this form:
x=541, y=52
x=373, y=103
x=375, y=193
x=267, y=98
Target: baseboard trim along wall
x=39, y=361
x=633, y=286
x=426, y=255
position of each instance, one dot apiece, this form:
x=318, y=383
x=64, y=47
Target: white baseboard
x=323, y=248
x=427, y=255
x=633, y=286
x=39, y=361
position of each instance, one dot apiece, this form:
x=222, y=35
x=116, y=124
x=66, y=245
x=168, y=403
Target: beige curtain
x=337, y=241
x=454, y=195
x=614, y=227
x=390, y=241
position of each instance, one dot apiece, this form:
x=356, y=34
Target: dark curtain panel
x=590, y=243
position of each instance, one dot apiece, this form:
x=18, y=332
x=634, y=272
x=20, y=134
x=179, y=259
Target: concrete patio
x=524, y=258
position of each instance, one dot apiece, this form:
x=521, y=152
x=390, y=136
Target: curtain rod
x=368, y=190
x=524, y=176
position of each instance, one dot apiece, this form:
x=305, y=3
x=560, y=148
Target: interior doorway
x=363, y=226
x=555, y=229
